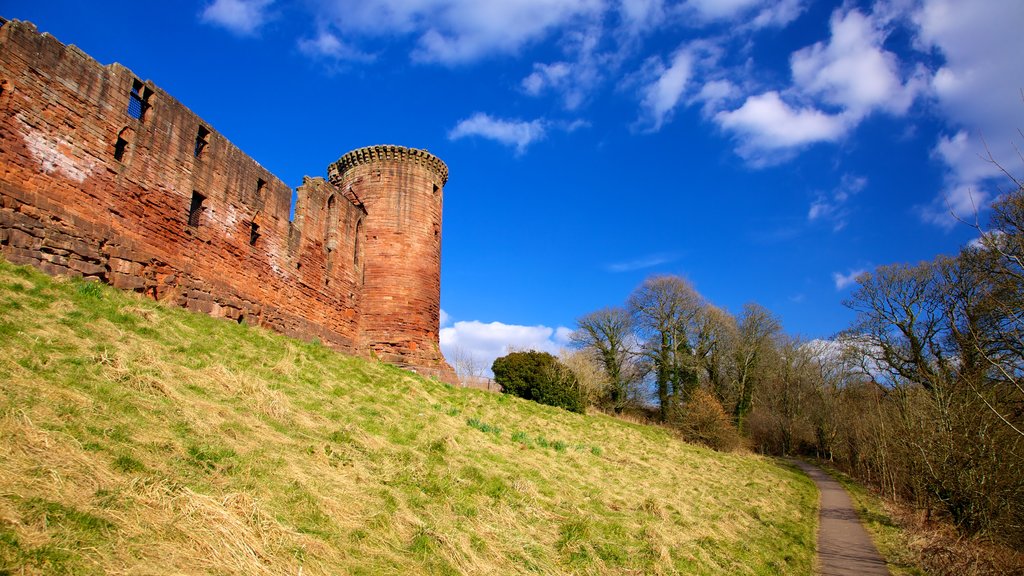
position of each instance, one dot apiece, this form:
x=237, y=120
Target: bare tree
x=607, y=335
x=664, y=310
x=757, y=329
x=466, y=365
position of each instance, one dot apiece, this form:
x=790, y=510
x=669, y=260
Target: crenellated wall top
x=388, y=152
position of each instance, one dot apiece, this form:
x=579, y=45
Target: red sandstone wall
x=88, y=189
x=402, y=190
x=67, y=206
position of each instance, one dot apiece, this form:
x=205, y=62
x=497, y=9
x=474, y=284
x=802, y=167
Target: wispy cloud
x=242, y=17
x=640, y=263
x=666, y=90
x=833, y=207
x=453, y=32
x=844, y=281
x=516, y=133
x=328, y=45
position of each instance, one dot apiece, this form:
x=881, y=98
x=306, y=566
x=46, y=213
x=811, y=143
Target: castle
x=106, y=176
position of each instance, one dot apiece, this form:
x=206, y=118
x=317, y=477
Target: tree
x=934, y=332
x=664, y=310
x=607, y=335
x=466, y=365
x=999, y=260
x=538, y=376
x=717, y=335
x=591, y=377
x=756, y=333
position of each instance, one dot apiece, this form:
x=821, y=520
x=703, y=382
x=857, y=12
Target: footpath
x=844, y=546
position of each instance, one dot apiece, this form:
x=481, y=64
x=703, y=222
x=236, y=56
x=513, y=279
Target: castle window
x=254, y=233
x=358, y=244
x=121, y=145
x=261, y=186
x=436, y=189
x=202, y=141
x=138, y=100
x=195, y=210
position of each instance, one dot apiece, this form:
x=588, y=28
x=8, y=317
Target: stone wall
x=106, y=176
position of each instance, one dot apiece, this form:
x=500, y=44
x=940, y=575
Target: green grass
x=134, y=435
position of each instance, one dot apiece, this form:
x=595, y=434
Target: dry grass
x=141, y=439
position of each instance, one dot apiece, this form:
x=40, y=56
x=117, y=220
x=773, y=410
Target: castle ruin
x=106, y=176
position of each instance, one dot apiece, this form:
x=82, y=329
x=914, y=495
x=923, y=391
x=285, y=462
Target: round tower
x=398, y=250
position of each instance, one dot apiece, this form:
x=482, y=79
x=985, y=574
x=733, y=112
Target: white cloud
x=852, y=70
x=844, y=281
x=979, y=83
x=575, y=77
x=747, y=14
x=517, y=133
x=243, y=17
x=954, y=205
x=546, y=76
x=766, y=125
x=458, y=31
x=778, y=14
x=486, y=341
x=665, y=91
x=444, y=318
x=978, y=89
x=833, y=207
x=964, y=195
x=716, y=94
x=639, y=15
x=327, y=45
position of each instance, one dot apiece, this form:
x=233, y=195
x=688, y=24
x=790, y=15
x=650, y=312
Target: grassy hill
x=137, y=438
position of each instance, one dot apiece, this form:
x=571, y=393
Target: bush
x=538, y=376
x=703, y=420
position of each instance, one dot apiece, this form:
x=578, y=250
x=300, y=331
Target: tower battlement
x=386, y=152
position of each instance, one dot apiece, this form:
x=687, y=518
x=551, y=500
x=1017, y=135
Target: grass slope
x=137, y=438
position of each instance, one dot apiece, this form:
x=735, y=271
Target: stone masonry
x=106, y=176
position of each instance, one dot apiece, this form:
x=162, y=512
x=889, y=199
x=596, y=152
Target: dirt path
x=844, y=547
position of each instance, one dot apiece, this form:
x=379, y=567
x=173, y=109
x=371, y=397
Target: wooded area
x=921, y=397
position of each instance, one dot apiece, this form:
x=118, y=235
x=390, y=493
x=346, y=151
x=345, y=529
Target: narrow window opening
x=202, y=141
x=195, y=210
x=119, y=148
x=138, y=100
x=436, y=189
x=331, y=223
x=254, y=233
x=261, y=186
x=358, y=244
x=329, y=266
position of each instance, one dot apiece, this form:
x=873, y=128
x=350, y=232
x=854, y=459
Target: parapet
x=383, y=152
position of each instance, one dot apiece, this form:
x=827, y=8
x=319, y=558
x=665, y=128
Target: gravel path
x=844, y=547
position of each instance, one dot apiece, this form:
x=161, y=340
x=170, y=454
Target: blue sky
x=766, y=150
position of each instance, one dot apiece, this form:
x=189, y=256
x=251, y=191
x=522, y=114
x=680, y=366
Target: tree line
x=921, y=397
